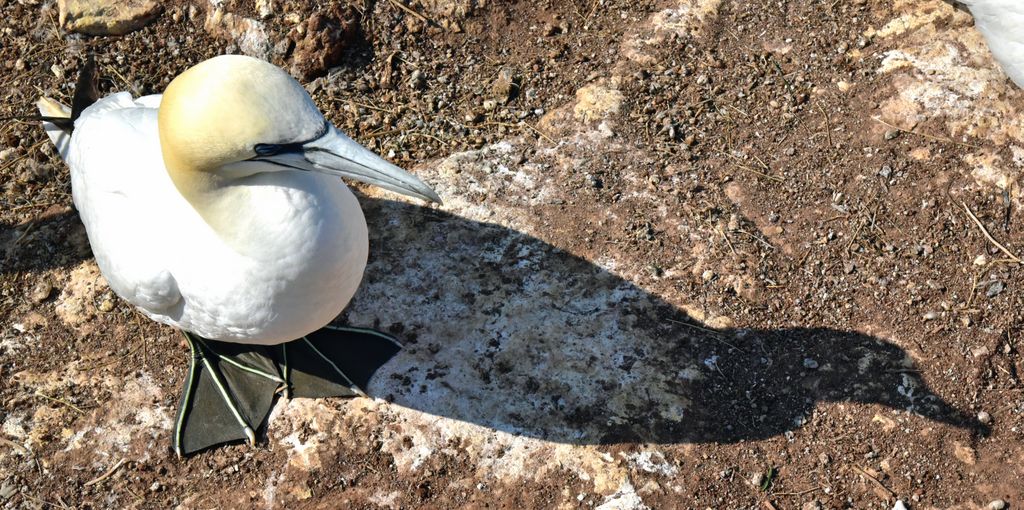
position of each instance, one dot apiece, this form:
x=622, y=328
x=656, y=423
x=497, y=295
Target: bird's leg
x=287, y=386
x=229, y=388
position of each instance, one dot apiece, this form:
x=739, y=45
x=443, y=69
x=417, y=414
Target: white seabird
x=216, y=208
x=1002, y=24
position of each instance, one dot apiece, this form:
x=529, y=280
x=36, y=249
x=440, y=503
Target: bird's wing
x=122, y=192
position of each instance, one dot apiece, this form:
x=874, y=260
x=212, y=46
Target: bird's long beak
x=336, y=154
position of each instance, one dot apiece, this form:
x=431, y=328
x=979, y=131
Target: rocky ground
x=693, y=254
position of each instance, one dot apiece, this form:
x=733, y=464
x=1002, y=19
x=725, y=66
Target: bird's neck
x=223, y=202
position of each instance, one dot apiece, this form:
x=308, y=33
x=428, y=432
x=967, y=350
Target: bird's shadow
x=508, y=332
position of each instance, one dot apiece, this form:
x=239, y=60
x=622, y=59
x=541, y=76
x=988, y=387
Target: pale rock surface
x=944, y=75
x=249, y=34
x=107, y=17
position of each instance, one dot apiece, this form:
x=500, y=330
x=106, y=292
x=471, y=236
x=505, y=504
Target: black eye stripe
x=264, y=150
x=267, y=149
x=271, y=149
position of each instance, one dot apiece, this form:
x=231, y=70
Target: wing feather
x=119, y=186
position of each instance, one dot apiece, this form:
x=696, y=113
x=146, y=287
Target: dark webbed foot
x=335, y=361
x=230, y=387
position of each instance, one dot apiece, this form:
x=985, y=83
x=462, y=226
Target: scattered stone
x=885, y=172
x=506, y=86
x=984, y=417
x=41, y=292
x=930, y=316
x=155, y=487
x=900, y=505
x=417, y=80
x=892, y=134
x=824, y=459
x=265, y=8
x=996, y=504
x=106, y=17
x=995, y=289
x=9, y=490
x=981, y=260
x=106, y=305
x=757, y=479
x=320, y=43
x=811, y=505
x=250, y=35
x=810, y=363
x=595, y=102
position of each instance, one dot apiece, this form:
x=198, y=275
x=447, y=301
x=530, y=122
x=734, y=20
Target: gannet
x=1002, y=24
x=217, y=208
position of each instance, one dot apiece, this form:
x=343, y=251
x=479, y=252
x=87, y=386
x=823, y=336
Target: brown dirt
x=802, y=215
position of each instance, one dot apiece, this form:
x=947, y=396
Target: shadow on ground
x=505, y=331
x=47, y=241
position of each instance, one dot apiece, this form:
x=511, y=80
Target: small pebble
x=981, y=260
x=106, y=305
x=810, y=363
x=930, y=316
x=997, y=504
x=892, y=134
x=995, y=289
x=885, y=172
x=899, y=505
x=757, y=479
x=984, y=417
x=41, y=291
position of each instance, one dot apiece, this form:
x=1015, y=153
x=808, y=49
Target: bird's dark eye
x=267, y=149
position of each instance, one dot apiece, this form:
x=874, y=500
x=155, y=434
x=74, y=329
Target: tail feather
x=56, y=127
x=58, y=119
x=87, y=89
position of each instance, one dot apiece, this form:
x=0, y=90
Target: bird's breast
x=292, y=261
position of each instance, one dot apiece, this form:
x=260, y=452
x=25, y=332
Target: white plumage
x=301, y=258
x=252, y=249
x=1002, y=24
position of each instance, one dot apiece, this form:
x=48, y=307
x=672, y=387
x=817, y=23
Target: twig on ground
x=411, y=12
x=924, y=135
x=107, y=474
x=39, y=394
x=878, y=484
x=988, y=236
